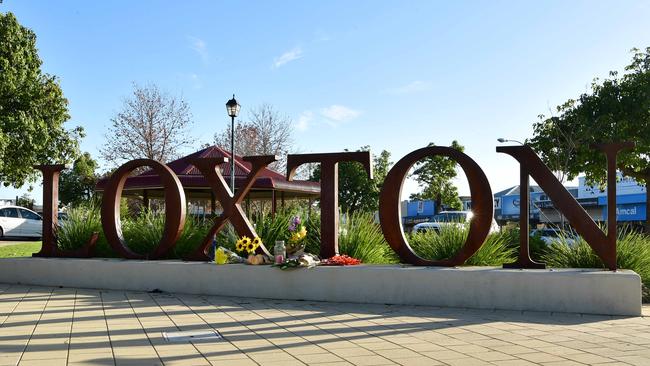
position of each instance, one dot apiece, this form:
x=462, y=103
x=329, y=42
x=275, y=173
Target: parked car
x=549, y=235
x=20, y=221
x=446, y=218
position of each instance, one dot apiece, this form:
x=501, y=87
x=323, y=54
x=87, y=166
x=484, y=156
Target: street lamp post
x=233, y=110
x=502, y=140
x=522, y=182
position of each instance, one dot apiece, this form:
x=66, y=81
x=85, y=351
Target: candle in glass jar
x=279, y=251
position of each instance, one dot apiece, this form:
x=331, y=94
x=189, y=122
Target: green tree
x=614, y=110
x=77, y=185
x=25, y=200
x=434, y=175
x=357, y=193
x=32, y=109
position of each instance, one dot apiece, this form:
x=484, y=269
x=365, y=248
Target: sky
x=392, y=75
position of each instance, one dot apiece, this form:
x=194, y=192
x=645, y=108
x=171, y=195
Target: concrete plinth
x=563, y=290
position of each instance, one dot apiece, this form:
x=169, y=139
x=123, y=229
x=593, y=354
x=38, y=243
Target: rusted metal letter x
x=232, y=210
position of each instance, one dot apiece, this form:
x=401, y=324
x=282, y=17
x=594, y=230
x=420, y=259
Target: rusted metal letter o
x=174, y=209
x=482, y=207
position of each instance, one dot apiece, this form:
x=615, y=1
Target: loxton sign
x=530, y=165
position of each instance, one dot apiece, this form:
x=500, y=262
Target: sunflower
x=250, y=248
x=240, y=245
x=257, y=241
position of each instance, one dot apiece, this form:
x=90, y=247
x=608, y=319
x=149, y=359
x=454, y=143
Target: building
x=269, y=186
x=415, y=212
x=630, y=205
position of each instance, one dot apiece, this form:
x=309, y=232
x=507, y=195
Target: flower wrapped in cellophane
x=295, y=245
x=225, y=256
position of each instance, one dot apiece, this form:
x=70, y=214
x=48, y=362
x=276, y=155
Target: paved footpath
x=67, y=326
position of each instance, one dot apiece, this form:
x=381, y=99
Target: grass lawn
x=20, y=249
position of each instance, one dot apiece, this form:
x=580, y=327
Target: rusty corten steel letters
x=329, y=191
x=531, y=165
x=231, y=203
x=50, y=248
x=389, y=204
x=482, y=206
x=174, y=209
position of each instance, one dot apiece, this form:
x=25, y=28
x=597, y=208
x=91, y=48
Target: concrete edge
x=590, y=291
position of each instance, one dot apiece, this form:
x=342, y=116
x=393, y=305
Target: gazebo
x=269, y=186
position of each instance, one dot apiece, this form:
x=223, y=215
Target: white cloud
x=416, y=86
x=200, y=47
x=287, y=57
x=304, y=120
x=338, y=113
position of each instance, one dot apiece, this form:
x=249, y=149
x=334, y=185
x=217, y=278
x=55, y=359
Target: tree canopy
x=434, y=175
x=77, y=185
x=614, y=110
x=266, y=132
x=357, y=193
x=152, y=124
x=33, y=109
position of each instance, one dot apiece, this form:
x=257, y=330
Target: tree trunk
x=438, y=204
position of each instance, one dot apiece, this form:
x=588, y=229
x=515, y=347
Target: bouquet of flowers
x=225, y=256
x=340, y=260
x=298, y=233
x=245, y=244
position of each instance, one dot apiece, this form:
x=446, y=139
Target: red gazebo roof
x=191, y=177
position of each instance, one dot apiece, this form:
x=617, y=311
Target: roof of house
x=191, y=177
x=515, y=190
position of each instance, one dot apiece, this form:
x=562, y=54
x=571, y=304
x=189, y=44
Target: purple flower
x=294, y=223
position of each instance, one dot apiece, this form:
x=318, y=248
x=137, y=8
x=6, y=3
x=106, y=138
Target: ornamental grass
x=360, y=237
x=632, y=252
x=445, y=243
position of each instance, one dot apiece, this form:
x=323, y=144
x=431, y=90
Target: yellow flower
x=257, y=241
x=221, y=257
x=250, y=248
x=240, y=245
x=302, y=232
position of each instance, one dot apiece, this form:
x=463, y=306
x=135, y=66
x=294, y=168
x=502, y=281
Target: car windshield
x=450, y=217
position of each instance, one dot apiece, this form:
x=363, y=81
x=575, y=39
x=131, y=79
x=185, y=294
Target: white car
x=550, y=235
x=19, y=221
x=446, y=218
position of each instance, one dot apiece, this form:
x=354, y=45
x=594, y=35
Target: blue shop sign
x=628, y=212
x=510, y=204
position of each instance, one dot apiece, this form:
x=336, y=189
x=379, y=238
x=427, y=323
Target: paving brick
x=85, y=327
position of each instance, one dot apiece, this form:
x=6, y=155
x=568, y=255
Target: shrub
x=537, y=246
x=194, y=231
x=361, y=237
x=496, y=250
x=143, y=232
x=81, y=223
x=632, y=252
x=272, y=228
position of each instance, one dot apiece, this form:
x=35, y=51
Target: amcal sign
x=530, y=165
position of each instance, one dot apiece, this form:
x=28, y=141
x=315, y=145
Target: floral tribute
x=340, y=260
x=295, y=251
x=298, y=234
x=245, y=244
